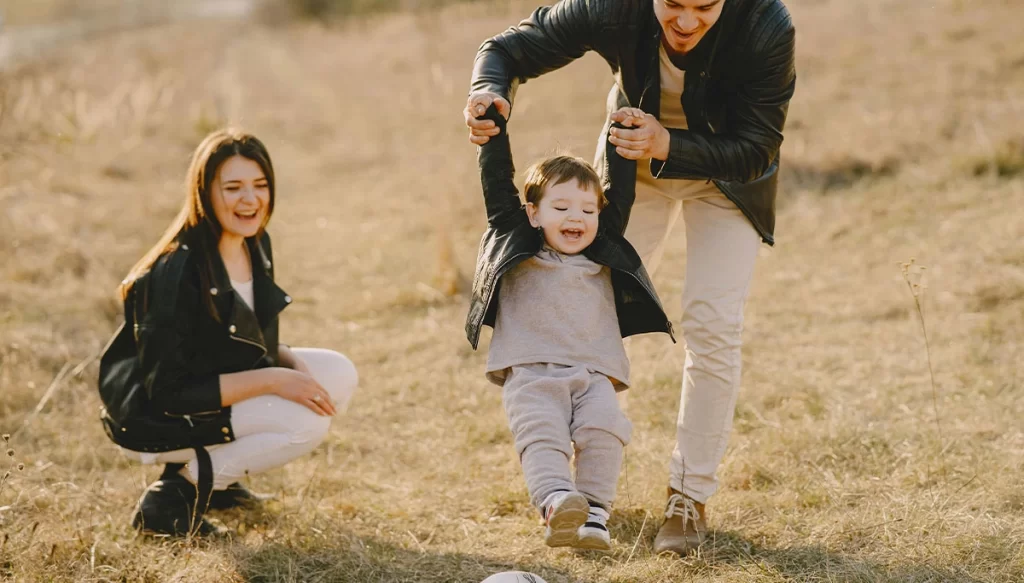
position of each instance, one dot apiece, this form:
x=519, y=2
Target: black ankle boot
x=169, y=507
x=235, y=496
x=175, y=506
x=171, y=471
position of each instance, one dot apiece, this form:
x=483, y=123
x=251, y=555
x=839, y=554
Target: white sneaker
x=593, y=535
x=564, y=513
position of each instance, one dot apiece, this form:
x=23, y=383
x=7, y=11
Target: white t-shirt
x=672, y=116
x=244, y=290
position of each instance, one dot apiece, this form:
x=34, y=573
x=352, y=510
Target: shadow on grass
x=353, y=559
x=727, y=549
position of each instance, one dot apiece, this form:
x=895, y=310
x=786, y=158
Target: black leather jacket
x=739, y=81
x=510, y=239
x=159, y=376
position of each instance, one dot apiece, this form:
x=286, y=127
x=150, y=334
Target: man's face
x=685, y=22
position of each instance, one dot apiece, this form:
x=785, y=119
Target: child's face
x=568, y=216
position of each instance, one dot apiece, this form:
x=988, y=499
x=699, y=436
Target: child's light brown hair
x=557, y=170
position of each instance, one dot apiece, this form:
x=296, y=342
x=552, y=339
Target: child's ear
x=531, y=211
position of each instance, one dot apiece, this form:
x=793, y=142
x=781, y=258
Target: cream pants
x=721, y=246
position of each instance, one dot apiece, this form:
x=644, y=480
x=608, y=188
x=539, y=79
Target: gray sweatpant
x=552, y=408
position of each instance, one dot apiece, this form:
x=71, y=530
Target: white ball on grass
x=514, y=577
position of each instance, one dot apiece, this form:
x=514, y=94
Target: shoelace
x=682, y=506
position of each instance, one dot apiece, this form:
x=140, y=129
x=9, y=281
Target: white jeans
x=721, y=246
x=270, y=431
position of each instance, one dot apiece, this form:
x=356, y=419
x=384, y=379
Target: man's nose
x=687, y=22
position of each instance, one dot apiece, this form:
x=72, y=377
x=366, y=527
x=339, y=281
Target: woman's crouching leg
x=270, y=432
x=334, y=371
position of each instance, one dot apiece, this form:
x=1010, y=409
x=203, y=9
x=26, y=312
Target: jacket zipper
x=250, y=342
x=188, y=416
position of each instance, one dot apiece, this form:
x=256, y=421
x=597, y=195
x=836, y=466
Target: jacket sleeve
x=758, y=111
x=551, y=38
x=497, y=173
x=166, y=354
x=619, y=183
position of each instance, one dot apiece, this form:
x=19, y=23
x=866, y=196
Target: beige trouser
x=721, y=246
x=555, y=411
x=270, y=431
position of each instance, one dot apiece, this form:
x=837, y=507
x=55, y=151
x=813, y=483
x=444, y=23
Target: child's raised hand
x=644, y=138
x=481, y=130
x=629, y=116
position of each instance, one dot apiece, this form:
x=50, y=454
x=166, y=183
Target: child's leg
x=600, y=431
x=539, y=408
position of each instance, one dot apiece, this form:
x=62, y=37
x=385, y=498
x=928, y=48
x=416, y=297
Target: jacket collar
x=699, y=60
x=243, y=322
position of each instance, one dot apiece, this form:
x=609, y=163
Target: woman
x=195, y=378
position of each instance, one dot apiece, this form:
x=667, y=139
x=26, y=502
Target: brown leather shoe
x=684, y=527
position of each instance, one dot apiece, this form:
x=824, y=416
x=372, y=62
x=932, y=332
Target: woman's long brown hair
x=197, y=218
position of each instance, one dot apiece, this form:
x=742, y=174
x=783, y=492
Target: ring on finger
x=317, y=398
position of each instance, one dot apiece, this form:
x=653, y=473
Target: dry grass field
x=847, y=463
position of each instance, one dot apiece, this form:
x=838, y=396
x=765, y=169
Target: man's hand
x=481, y=131
x=647, y=138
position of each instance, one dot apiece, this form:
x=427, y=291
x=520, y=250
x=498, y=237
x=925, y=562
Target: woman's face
x=240, y=195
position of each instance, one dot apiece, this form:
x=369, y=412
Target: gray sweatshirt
x=558, y=309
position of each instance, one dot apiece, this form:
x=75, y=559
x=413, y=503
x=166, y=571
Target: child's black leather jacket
x=510, y=239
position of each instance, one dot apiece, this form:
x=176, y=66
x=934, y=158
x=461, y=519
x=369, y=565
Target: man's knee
x=713, y=325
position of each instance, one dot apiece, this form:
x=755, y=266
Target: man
x=704, y=87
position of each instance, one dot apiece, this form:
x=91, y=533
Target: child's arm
x=619, y=183
x=501, y=197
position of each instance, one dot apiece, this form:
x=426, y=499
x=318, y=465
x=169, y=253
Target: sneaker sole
x=566, y=521
x=592, y=543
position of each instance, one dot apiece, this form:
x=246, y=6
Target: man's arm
x=551, y=38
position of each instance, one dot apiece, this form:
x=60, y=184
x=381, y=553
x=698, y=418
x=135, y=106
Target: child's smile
x=572, y=234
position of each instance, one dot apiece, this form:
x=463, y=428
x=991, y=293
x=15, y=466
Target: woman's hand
x=647, y=138
x=482, y=130
x=303, y=389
